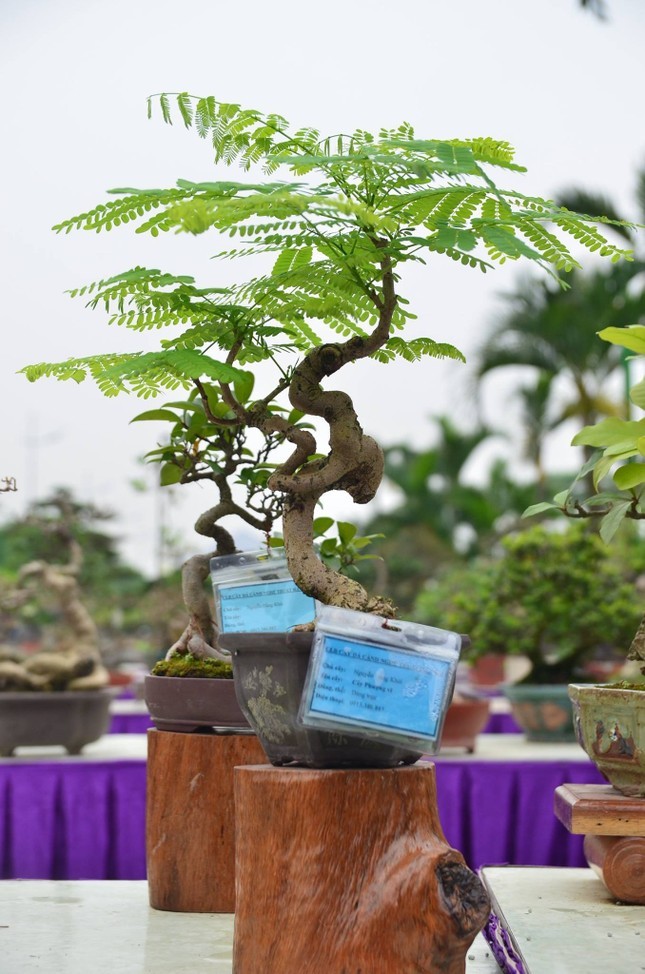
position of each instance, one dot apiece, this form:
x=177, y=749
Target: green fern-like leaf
x=415, y=349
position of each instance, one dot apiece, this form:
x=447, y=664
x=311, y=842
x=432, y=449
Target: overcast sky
x=563, y=87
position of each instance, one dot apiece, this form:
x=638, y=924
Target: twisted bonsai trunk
x=354, y=462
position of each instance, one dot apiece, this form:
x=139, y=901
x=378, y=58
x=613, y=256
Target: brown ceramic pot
x=184, y=703
x=465, y=719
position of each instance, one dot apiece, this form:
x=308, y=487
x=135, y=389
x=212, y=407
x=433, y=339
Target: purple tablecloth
x=502, y=724
x=129, y=723
x=498, y=812
x=73, y=820
x=85, y=819
x=138, y=723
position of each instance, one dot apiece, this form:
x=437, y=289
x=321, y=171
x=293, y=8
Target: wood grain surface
x=348, y=872
x=190, y=818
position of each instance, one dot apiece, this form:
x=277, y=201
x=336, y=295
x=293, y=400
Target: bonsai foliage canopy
x=337, y=236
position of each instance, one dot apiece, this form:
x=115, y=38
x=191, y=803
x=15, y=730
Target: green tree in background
x=442, y=518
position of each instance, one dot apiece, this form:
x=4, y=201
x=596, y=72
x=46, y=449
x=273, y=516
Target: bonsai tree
x=200, y=450
x=556, y=598
x=215, y=449
x=619, y=450
x=338, y=237
x=74, y=662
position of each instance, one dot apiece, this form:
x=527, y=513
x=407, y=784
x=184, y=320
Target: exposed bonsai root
x=192, y=642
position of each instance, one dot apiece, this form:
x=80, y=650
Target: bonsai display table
x=190, y=818
x=614, y=829
x=344, y=871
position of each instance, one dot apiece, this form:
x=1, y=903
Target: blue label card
x=272, y=606
x=359, y=684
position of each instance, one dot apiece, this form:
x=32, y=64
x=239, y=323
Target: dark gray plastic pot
x=269, y=670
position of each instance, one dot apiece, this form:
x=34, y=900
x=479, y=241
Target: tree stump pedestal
x=348, y=872
x=614, y=829
x=190, y=818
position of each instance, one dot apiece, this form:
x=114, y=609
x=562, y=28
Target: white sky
x=564, y=88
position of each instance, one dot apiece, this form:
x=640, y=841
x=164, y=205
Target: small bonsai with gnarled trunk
x=208, y=444
x=74, y=663
x=358, y=209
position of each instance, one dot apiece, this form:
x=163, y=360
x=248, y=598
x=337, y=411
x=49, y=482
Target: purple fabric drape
x=502, y=724
x=86, y=819
x=129, y=723
x=502, y=811
x=73, y=820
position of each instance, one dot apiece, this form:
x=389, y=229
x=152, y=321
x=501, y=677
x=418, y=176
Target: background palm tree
x=553, y=332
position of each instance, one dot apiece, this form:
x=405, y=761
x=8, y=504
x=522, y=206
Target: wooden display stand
x=348, y=872
x=190, y=820
x=614, y=829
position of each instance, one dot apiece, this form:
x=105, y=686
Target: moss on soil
x=190, y=666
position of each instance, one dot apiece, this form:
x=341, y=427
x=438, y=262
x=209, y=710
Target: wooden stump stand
x=190, y=820
x=614, y=829
x=348, y=872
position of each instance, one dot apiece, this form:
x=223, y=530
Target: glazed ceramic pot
x=269, y=670
x=610, y=727
x=69, y=718
x=185, y=703
x=543, y=711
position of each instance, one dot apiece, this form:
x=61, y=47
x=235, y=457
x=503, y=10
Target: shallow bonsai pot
x=543, y=711
x=465, y=719
x=69, y=718
x=185, y=703
x=269, y=670
x=610, y=727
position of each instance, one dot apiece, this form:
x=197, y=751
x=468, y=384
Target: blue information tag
x=364, y=685
x=272, y=606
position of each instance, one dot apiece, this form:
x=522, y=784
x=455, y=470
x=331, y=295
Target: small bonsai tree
x=619, y=446
x=200, y=450
x=557, y=599
x=358, y=209
x=74, y=661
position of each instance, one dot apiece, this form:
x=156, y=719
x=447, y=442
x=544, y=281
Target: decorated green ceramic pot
x=543, y=711
x=610, y=727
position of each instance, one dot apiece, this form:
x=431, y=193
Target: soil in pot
x=270, y=670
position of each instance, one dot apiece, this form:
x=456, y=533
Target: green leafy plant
x=619, y=446
x=337, y=237
x=558, y=599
